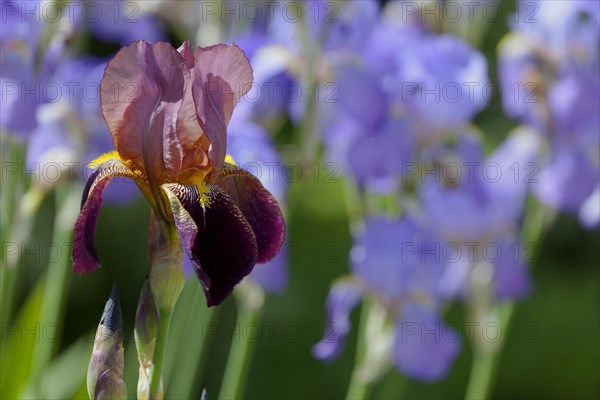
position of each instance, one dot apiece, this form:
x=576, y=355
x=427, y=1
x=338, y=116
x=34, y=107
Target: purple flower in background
x=396, y=263
x=550, y=68
x=361, y=135
x=444, y=94
x=19, y=46
x=568, y=29
x=281, y=51
x=17, y=73
x=122, y=22
x=70, y=129
x=476, y=204
x=425, y=347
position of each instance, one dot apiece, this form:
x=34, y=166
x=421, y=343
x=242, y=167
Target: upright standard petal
x=141, y=92
x=259, y=208
x=85, y=256
x=216, y=236
x=188, y=127
x=221, y=76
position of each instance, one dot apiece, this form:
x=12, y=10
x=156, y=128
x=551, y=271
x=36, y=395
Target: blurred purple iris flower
x=19, y=73
x=476, y=205
x=442, y=95
x=120, y=21
x=70, y=129
x=395, y=262
x=549, y=75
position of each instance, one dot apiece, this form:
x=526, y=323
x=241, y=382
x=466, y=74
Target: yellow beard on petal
x=197, y=177
x=229, y=159
x=111, y=155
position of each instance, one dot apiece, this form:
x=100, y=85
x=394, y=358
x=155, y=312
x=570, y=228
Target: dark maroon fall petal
x=216, y=236
x=85, y=255
x=259, y=207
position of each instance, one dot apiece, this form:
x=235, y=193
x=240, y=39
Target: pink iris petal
x=142, y=91
x=259, y=208
x=85, y=255
x=221, y=76
x=217, y=238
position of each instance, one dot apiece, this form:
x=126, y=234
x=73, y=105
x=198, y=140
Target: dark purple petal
x=342, y=299
x=259, y=208
x=216, y=236
x=85, y=256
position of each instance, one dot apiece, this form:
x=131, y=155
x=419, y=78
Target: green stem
x=13, y=156
x=309, y=137
x=485, y=361
x=238, y=361
x=164, y=321
x=20, y=233
x=359, y=388
x=194, y=344
x=58, y=277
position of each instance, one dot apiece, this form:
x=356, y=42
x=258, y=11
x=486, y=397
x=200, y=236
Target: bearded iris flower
x=167, y=111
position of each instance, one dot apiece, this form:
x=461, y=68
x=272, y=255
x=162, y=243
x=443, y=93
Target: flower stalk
x=359, y=387
x=486, y=360
x=166, y=282
x=250, y=300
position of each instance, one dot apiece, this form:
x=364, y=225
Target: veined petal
x=141, y=92
x=188, y=127
x=222, y=75
x=216, y=236
x=85, y=256
x=259, y=208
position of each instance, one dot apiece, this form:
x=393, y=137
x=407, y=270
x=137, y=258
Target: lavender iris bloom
x=70, y=129
x=476, y=204
x=552, y=69
x=395, y=262
x=361, y=135
x=122, y=22
x=444, y=94
x=18, y=49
